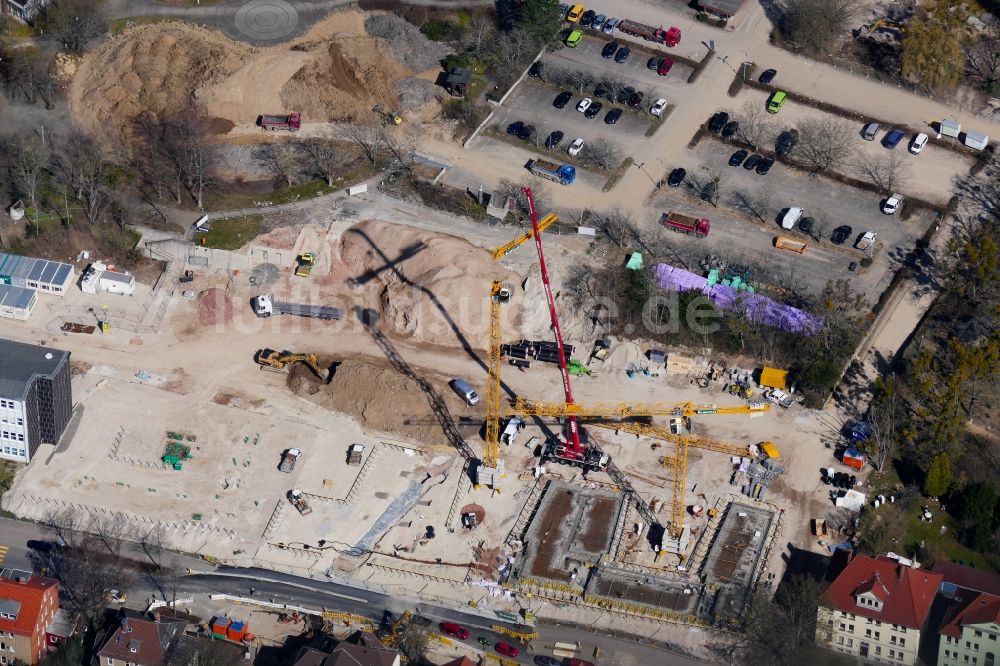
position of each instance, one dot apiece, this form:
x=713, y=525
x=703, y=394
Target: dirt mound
x=328, y=75
x=430, y=288
x=215, y=307
x=377, y=396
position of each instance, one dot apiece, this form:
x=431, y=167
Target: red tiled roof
x=969, y=578
x=140, y=640
x=461, y=661
x=30, y=594
x=908, y=593
x=971, y=608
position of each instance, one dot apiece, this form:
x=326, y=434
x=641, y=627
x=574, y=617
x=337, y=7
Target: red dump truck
x=686, y=224
x=292, y=122
x=671, y=36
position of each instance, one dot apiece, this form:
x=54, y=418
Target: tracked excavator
x=270, y=359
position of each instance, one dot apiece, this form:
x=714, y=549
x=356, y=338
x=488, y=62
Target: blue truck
x=563, y=174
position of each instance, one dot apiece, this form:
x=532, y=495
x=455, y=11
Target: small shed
x=721, y=8
x=951, y=127
x=854, y=458
x=657, y=356
x=976, y=140
x=457, y=81
x=773, y=378
x=114, y=282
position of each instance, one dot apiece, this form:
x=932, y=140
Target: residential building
x=968, y=578
x=877, y=609
x=26, y=10
x=970, y=631
x=139, y=639
x=28, y=605
x=361, y=649
x=36, y=400
x=62, y=626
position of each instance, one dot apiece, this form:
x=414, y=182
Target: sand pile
x=430, y=288
x=378, y=397
x=215, y=307
x=330, y=74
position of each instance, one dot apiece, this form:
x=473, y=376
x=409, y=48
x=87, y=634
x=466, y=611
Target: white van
x=465, y=391
x=791, y=217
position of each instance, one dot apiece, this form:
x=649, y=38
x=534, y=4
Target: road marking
x=3, y=552
x=279, y=582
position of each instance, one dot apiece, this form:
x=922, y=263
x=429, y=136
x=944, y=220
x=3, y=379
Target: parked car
x=676, y=177
x=737, y=158
x=841, y=234
x=869, y=131
x=866, y=240
x=636, y=99
x=584, y=104
x=792, y=215
x=891, y=205
x=806, y=224
x=554, y=139
x=507, y=650
x=603, y=90
x=779, y=397
x=776, y=101
x=575, y=147
x=765, y=165
x=543, y=660
x=918, y=143
x=588, y=18
x=536, y=69
x=515, y=128
x=562, y=99
x=455, y=630
x=767, y=76
x=563, y=9
x=653, y=63
x=786, y=142
x=613, y=116
x=658, y=106
x=609, y=50
x=610, y=25
x=717, y=122
x=598, y=22
x=574, y=39
x=752, y=162
x=593, y=110
x=526, y=133
x=625, y=94
x=729, y=129
x=664, y=68
x=892, y=138
x=623, y=54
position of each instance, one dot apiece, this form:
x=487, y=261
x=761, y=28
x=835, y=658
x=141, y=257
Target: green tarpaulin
x=634, y=262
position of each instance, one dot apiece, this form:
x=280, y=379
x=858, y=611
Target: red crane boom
x=574, y=430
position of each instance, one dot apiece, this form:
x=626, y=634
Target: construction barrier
x=522, y=636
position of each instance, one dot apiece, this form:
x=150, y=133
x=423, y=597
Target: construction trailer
x=17, y=302
x=48, y=277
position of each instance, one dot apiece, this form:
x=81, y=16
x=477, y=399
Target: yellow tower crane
x=491, y=468
x=543, y=224
x=525, y=407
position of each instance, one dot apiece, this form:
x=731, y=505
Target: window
x=850, y=642
x=850, y=628
x=902, y=642
x=979, y=634
x=840, y=640
x=111, y=662
x=876, y=635
x=843, y=626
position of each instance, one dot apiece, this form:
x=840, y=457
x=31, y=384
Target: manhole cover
x=266, y=19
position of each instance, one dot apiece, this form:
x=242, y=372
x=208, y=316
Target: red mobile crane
x=573, y=452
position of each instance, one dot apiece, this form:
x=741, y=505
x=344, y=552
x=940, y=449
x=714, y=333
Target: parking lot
x=497, y=151
x=931, y=175
x=828, y=202
x=531, y=103
x=634, y=71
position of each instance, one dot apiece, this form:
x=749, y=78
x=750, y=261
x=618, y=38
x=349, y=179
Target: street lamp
x=642, y=167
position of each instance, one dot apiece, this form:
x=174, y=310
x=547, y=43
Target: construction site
x=413, y=428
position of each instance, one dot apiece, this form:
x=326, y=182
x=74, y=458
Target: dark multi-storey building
x=36, y=400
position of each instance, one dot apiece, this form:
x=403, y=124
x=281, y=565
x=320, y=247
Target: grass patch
x=16, y=30
x=618, y=174
x=929, y=534
x=231, y=234
x=476, y=87
x=119, y=25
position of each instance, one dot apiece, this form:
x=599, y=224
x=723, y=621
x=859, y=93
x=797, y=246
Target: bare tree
x=603, y=153
x=27, y=159
x=66, y=524
x=413, y=641
x=283, y=159
x=324, y=157
x=754, y=124
x=825, y=142
x=581, y=79
x=480, y=38
x=816, y=25
x=513, y=189
x=884, y=418
x=152, y=543
x=514, y=47
x=756, y=203
x=74, y=22
x=402, y=145
x=82, y=165
x=982, y=65
x=366, y=135
x=884, y=170
x=617, y=225
x=112, y=531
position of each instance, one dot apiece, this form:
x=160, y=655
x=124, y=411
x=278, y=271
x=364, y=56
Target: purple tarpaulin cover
x=754, y=307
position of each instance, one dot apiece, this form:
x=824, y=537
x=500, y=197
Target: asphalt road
x=284, y=588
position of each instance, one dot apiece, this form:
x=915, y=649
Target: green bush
x=440, y=30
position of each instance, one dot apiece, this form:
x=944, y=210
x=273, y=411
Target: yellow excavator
x=270, y=359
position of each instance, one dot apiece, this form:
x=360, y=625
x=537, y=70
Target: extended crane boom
x=491, y=469
x=525, y=407
x=506, y=249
